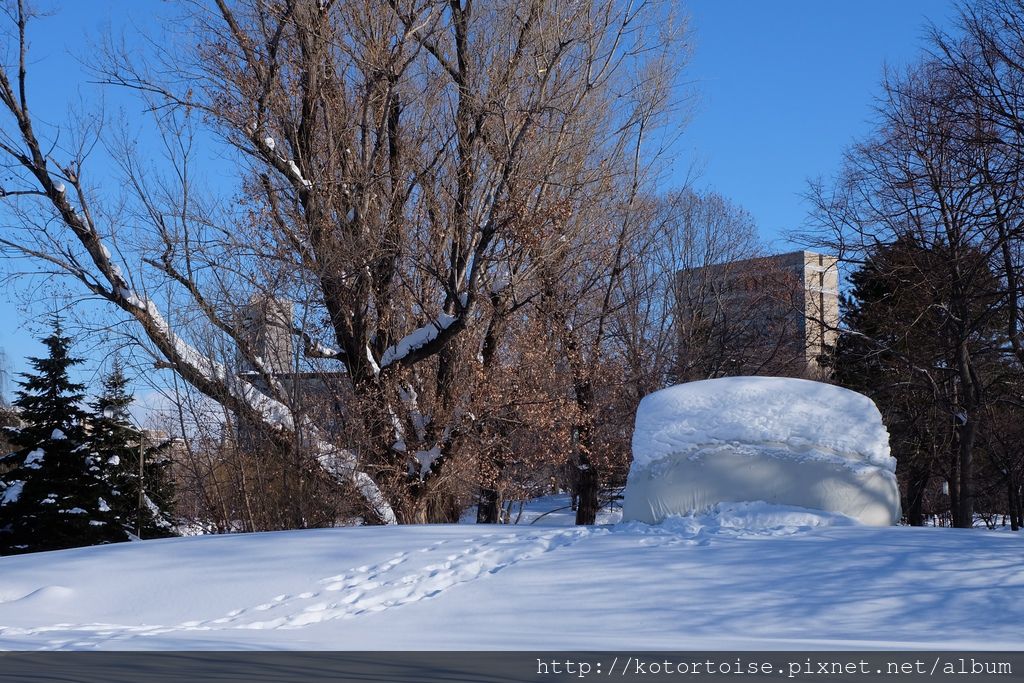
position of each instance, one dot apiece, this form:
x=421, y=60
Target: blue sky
x=783, y=86
x=60, y=50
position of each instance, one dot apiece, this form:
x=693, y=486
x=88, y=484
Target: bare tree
x=986, y=64
x=735, y=309
x=394, y=159
x=919, y=187
x=604, y=239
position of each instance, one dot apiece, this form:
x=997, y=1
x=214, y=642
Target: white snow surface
x=34, y=460
x=795, y=413
x=416, y=339
x=744, y=576
x=782, y=440
x=12, y=493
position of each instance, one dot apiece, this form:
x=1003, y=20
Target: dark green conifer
x=118, y=443
x=57, y=492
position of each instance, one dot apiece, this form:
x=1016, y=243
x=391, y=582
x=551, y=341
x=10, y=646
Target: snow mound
x=45, y=596
x=779, y=440
x=759, y=518
x=746, y=519
x=796, y=413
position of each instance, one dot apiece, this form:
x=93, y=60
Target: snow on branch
x=268, y=147
x=12, y=492
x=312, y=348
x=336, y=462
x=426, y=459
x=274, y=413
x=339, y=462
x=371, y=493
x=210, y=377
x=419, y=338
x=410, y=399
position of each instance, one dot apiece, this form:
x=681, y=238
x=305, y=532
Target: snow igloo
x=780, y=440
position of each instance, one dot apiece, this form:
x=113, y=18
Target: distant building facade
x=772, y=315
x=268, y=325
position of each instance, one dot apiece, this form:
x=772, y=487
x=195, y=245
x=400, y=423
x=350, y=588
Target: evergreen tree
x=144, y=507
x=57, y=493
x=875, y=355
x=903, y=328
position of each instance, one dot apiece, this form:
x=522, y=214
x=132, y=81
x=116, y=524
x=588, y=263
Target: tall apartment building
x=772, y=315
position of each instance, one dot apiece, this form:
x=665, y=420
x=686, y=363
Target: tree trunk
x=490, y=504
x=953, y=481
x=916, y=485
x=1013, y=501
x=588, y=491
x=1020, y=504
x=430, y=501
x=588, y=479
x=964, y=518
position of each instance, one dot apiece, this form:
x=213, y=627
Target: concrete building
x=772, y=315
x=268, y=324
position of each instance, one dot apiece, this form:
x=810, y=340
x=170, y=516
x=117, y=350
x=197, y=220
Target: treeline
x=929, y=210
x=79, y=474
x=446, y=273
x=548, y=385
x=463, y=201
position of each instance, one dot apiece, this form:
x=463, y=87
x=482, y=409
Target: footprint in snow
x=373, y=588
x=361, y=590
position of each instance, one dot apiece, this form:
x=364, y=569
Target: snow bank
x=757, y=518
x=780, y=440
x=746, y=576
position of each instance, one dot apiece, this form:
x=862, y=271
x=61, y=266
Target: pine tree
x=118, y=443
x=903, y=332
x=57, y=494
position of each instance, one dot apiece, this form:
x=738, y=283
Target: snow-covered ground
x=748, y=576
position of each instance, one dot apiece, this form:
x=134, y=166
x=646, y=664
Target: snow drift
x=743, y=576
x=781, y=440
